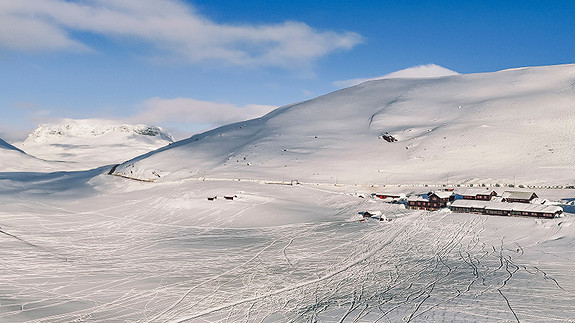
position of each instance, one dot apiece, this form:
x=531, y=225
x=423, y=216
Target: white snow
x=419, y=71
x=510, y=127
x=110, y=249
x=13, y=159
x=89, y=143
x=5, y=145
x=86, y=246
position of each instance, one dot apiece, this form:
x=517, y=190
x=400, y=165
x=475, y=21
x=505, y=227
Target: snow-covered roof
x=520, y=207
x=417, y=198
x=517, y=195
x=442, y=194
x=391, y=194
x=497, y=199
x=539, y=200
x=475, y=191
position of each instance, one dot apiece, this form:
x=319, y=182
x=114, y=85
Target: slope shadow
x=73, y=183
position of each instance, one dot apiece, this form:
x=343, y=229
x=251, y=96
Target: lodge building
x=433, y=202
x=506, y=209
x=480, y=195
x=488, y=202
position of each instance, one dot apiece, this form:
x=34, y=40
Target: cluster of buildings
x=509, y=203
x=489, y=202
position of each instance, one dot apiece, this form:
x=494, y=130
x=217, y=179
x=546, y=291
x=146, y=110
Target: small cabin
x=480, y=195
x=376, y=215
x=518, y=196
x=384, y=196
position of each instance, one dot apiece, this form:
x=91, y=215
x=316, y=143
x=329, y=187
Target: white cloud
x=13, y=134
x=182, y=117
x=419, y=71
x=195, y=115
x=170, y=26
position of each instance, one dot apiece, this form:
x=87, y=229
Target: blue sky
x=191, y=65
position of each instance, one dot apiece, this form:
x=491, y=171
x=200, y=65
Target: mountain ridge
x=486, y=127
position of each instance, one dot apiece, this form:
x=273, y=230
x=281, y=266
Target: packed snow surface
x=85, y=246
x=90, y=143
x=513, y=126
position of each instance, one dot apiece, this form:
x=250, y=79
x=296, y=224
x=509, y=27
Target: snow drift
x=513, y=126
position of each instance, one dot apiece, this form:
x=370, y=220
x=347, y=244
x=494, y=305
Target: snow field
x=162, y=252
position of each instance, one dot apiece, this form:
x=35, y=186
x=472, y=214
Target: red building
x=433, y=202
x=481, y=195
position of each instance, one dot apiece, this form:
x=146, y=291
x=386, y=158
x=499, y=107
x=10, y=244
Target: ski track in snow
x=132, y=262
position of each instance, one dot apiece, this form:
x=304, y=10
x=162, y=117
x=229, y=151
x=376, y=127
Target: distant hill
x=510, y=126
x=91, y=143
x=13, y=159
x=5, y=145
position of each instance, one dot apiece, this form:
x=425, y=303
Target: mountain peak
x=88, y=143
x=92, y=128
x=419, y=71
x=479, y=128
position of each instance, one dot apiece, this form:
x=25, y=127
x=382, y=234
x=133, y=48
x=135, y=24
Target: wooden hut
x=518, y=196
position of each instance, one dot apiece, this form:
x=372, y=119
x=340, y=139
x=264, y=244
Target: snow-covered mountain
x=510, y=126
x=85, y=246
x=90, y=143
x=419, y=71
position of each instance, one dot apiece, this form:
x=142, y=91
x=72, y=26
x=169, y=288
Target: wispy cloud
x=419, y=71
x=170, y=26
x=181, y=116
x=194, y=115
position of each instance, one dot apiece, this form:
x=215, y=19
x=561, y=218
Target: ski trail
x=296, y=286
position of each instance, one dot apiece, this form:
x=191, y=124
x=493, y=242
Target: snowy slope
x=420, y=71
x=91, y=143
x=7, y=146
x=510, y=126
x=13, y=159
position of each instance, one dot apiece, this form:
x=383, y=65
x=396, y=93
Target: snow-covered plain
x=87, y=246
x=112, y=250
